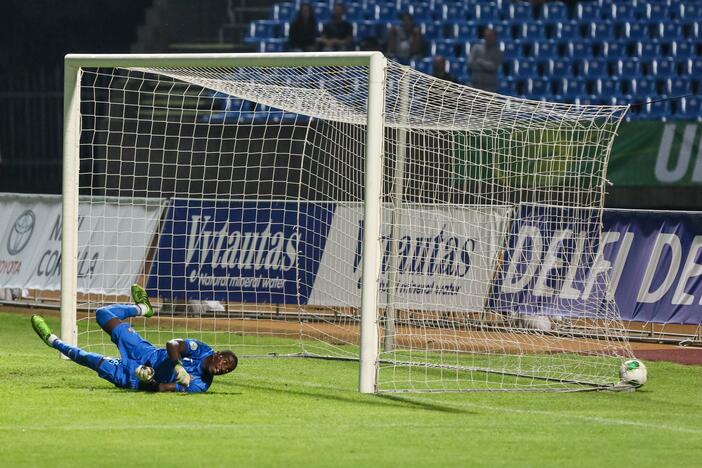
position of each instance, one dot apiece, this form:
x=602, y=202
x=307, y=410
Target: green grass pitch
x=294, y=412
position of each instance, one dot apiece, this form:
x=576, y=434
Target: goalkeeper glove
x=145, y=374
x=182, y=376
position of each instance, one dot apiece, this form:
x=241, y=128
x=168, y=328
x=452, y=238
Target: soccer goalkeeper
x=182, y=366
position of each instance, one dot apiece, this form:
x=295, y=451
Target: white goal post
x=320, y=204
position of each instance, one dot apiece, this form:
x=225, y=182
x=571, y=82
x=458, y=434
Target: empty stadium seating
x=640, y=52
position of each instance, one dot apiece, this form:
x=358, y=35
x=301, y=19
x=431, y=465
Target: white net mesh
x=240, y=191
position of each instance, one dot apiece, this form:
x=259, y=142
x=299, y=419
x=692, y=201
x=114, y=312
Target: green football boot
x=140, y=296
x=40, y=326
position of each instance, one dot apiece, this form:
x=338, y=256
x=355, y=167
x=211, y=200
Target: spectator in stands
x=439, y=70
x=303, y=30
x=337, y=33
x=405, y=41
x=484, y=62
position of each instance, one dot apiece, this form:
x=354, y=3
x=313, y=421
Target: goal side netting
x=236, y=195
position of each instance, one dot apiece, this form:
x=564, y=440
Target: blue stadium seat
x=559, y=86
x=683, y=49
x=539, y=87
x=608, y=86
x=263, y=29
x=457, y=12
x=663, y=67
x=458, y=66
x=691, y=108
x=510, y=50
x=367, y=28
x=677, y=86
x=603, y=30
x=284, y=11
x=554, y=11
x=579, y=50
x=577, y=87
x=447, y=47
x=636, y=31
x=322, y=10
x=385, y=12
x=421, y=12
x=525, y=68
x=648, y=49
x=657, y=109
x=546, y=49
x=424, y=65
x=520, y=11
x=670, y=30
x=433, y=30
x=644, y=87
x=589, y=11
x=628, y=68
x=467, y=30
x=487, y=12
x=596, y=68
x=615, y=50
x=273, y=44
x=503, y=29
x=692, y=10
x=561, y=69
x=356, y=12
x=568, y=30
x=657, y=10
x=531, y=30
x=624, y=11
x=506, y=85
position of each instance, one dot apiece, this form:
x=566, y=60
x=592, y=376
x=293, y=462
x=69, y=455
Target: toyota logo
x=21, y=232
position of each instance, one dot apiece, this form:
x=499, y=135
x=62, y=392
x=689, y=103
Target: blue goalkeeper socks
x=77, y=355
x=118, y=311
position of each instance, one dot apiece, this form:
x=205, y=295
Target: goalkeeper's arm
x=176, y=349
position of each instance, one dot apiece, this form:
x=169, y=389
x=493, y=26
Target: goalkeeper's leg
x=110, y=369
x=109, y=317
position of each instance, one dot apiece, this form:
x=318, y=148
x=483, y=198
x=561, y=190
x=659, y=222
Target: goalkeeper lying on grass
x=183, y=366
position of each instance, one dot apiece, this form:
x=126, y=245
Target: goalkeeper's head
x=221, y=362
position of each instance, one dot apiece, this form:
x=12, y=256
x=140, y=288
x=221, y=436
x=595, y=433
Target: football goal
x=341, y=206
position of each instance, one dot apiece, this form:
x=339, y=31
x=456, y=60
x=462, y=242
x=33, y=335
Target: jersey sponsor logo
x=193, y=346
x=21, y=232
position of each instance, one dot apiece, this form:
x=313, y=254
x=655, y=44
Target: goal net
x=271, y=207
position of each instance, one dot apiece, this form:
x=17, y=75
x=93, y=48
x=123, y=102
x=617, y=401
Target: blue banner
x=240, y=251
x=555, y=263
x=656, y=262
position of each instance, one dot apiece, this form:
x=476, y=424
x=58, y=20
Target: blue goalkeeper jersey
x=195, y=352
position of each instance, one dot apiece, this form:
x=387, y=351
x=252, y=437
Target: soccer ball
x=633, y=372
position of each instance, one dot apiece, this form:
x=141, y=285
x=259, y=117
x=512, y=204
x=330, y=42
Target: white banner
x=113, y=239
x=446, y=260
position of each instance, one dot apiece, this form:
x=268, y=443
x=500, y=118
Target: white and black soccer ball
x=633, y=372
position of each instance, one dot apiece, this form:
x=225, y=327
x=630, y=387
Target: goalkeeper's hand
x=182, y=376
x=145, y=374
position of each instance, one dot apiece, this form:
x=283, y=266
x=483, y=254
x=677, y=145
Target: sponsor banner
x=657, y=154
x=113, y=239
x=446, y=257
x=550, y=263
x=244, y=251
x=554, y=264
x=310, y=253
